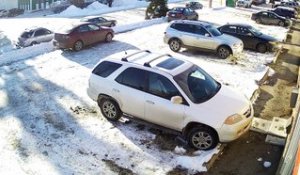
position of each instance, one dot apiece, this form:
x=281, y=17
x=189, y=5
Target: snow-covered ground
x=48, y=125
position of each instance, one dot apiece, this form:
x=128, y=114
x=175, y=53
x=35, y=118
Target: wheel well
x=173, y=39
x=191, y=125
x=223, y=45
x=101, y=96
x=263, y=44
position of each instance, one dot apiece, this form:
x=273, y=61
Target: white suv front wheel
x=202, y=138
x=110, y=109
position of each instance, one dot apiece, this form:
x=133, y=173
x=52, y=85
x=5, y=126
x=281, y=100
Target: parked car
x=290, y=4
x=244, y=3
x=268, y=17
x=3, y=13
x=182, y=13
x=203, y=36
x=194, y=5
x=285, y=12
x=34, y=36
x=101, y=21
x=172, y=93
x=258, y=2
x=251, y=37
x=82, y=34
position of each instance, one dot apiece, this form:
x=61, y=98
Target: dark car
x=194, y=5
x=182, y=13
x=79, y=35
x=291, y=4
x=285, y=12
x=99, y=21
x=268, y=17
x=251, y=37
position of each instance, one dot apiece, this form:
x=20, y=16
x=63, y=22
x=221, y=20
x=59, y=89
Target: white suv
x=172, y=93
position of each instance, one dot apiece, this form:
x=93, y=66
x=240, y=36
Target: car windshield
x=213, y=30
x=255, y=31
x=26, y=34
x=197, y=84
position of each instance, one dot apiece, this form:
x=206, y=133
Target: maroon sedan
x=79, y=35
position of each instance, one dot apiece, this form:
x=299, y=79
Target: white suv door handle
x=116, y=90
x=150, y=102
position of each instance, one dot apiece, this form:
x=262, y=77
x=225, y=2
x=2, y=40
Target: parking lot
x=49, y=124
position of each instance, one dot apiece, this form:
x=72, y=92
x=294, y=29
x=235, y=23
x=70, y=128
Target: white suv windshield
x=197, y=84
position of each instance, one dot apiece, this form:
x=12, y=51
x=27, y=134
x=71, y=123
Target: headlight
x=233, y=119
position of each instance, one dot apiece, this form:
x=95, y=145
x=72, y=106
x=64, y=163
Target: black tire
x=223, y=52
x=281, y=23
x=108, y=37
x=110, y=109
x=112, y=25
x=202, y=138
x=197, y=17
x=175, y=45
x=262, y=48
x=258, y=21
x=78, y=45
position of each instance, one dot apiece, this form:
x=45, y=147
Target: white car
x=34, y=36
x=244, y=3
x=172, y=93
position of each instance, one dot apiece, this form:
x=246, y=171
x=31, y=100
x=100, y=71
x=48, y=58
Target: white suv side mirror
x=176, y=100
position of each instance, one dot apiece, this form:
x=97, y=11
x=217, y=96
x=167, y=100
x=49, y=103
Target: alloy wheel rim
x=202, y=140
x=109, y=110
x=78, y=45
x=223, y=53
x=174, y=45
x=109, y=37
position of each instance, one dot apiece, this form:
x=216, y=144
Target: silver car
x=200, y=35
x=35, y=36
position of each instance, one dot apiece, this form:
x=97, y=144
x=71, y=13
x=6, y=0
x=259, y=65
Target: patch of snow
x=267, y=164
x=195, y=163
x=128, y=27
x=179, y=150
x=260, y=159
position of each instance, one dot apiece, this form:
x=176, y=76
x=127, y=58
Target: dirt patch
x=116, y=168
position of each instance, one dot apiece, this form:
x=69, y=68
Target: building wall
x=8, y=4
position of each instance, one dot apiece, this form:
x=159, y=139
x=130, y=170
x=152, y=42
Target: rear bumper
x=62, y=45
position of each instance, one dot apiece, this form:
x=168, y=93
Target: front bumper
x=229, y=133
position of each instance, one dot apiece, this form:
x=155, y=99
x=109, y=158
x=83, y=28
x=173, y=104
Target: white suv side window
x=161, y=86
x=134, y=78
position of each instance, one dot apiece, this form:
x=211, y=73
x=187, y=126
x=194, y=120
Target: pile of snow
x=91, y=9
x=128, y=27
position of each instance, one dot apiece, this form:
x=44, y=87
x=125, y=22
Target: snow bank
x=97, y=8
x=128, y=27
x=5, y=44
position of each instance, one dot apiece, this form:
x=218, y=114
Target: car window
x=133, y=77
x=244, y=31
x=161, y=86
x=40, y=32
x=229, y=29
x=264, y=14
x=83, y=28
x=184, y=27
x=271, y=15
x=93, y=27
x=101, y=19
x=105, y=68
x=200, y=30
x=213, y=31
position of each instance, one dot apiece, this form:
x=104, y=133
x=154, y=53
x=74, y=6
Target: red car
x=79, y=35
